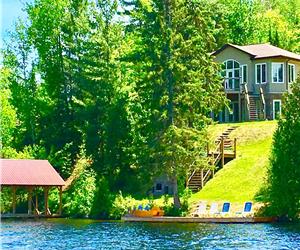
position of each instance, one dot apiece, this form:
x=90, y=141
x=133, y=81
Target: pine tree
x=178, y=84
x=284, y=172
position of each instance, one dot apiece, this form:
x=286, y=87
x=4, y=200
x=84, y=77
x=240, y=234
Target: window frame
x=283, y=72
x=294, y=72
x=280, y=108
x=242, y=73
x=266, y=73
x=236, y=81
x=158, y=185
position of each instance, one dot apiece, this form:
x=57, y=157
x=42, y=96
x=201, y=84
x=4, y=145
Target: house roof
x=257, y=51
x=28, y=173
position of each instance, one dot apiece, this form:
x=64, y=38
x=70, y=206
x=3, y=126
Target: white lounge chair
x=214, y=209
x=200, y=210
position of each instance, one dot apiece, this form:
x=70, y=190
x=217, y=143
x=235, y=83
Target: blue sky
x=11, y=10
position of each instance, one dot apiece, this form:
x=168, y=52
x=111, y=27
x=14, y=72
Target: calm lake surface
x=91, y=234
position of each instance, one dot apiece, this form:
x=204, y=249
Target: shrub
x=79, y=199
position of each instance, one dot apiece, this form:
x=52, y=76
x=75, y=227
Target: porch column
x=14, y=189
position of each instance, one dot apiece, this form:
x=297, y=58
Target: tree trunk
x=177, y=203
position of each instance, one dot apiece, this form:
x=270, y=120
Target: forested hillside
x=125, y=86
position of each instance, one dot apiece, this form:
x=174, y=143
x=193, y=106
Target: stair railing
x=247, y=99
x=191, y=176
x=262, y=98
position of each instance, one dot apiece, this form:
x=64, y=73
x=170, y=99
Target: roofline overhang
x=278, y=56
x=230, y=45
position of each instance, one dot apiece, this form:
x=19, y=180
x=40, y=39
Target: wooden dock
x=224, y=220
x=27, y=216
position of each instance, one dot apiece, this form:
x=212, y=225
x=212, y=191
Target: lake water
x=91, y=234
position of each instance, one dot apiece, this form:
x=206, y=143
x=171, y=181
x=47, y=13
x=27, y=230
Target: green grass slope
x=243, y=177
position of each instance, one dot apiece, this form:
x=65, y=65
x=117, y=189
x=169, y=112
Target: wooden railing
x=247, y=99
x=217, y=155
x=263, y=102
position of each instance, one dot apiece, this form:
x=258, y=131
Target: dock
x=224, y=220
x=28, y=216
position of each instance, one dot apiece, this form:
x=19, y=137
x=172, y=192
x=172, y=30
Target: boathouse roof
x=28, y=173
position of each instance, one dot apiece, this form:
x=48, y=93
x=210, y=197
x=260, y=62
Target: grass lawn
x=243, y=177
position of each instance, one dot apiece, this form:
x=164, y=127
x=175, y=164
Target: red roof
x=28, y=173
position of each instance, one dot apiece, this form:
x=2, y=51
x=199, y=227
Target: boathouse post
x=29, y=200
x=60, y=200
x=46, y=193
x=36, y=203
x=14, y=189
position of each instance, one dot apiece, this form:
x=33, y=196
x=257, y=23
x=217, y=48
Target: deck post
x=202, y=183
x=60, y=200
x=14, y=189
x=222, y=151
x=46, y=192
x=29, y=200
x=207, y=149
x=240, y=107
x=234, y=148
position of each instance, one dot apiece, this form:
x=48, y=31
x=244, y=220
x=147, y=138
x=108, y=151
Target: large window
x=277, y=72
x=261, y=73
x=231, y=72
x=292, y=73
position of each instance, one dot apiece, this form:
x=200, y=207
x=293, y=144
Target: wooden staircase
x=253, y=110
x=224, y=148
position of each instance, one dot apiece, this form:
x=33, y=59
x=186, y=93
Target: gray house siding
x=272, y=90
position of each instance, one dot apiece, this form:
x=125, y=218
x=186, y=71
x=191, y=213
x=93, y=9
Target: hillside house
x=256, y=76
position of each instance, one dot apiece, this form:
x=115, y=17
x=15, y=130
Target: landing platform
x=165, y=219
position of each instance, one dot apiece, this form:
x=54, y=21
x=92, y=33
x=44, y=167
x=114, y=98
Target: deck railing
x=263, y=102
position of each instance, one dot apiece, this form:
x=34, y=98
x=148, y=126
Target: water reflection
x=92, y=234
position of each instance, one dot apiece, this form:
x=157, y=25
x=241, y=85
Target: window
x=292, y=73
x=158, y=187
x=276, y=109
x=244, y=74
x=277, y=72
x=261, y=73
x=231, y=72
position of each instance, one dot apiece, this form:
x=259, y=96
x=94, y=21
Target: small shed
x=30, y=174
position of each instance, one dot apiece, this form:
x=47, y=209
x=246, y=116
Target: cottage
x=256, y=76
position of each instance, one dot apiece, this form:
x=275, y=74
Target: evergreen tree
x=284, y=172
x=178, y=84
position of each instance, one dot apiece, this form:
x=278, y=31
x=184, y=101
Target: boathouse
x=32, y=175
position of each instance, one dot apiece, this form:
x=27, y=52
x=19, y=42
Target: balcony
x=232, y=84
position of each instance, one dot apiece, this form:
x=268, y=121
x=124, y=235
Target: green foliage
x=78, y=200
x=121, y=206
x=134, y=95
x=103, y=200
x=6, y=199
x=284, y=173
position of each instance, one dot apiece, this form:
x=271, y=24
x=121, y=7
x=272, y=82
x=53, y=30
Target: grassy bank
x=242, y=178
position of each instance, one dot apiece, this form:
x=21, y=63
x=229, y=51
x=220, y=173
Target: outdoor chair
x=225, y=208
x=214, y=209
x=247, y=209
x=200, y=210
